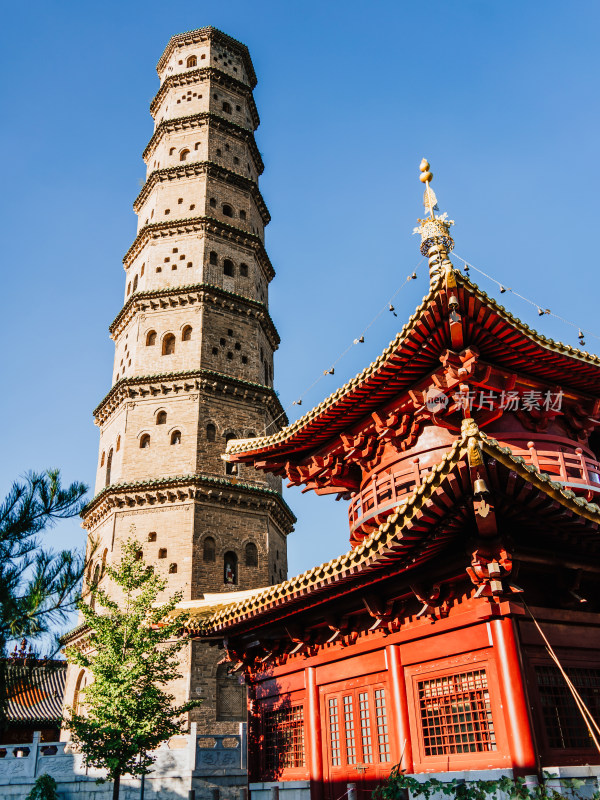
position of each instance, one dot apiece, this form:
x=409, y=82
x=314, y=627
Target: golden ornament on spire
x=436, y=241
x=429, y=198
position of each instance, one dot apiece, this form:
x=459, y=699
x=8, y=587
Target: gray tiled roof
x=35, y=691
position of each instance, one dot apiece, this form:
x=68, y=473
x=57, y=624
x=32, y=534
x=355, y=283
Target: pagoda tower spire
x=193, y=367
x=436, y=242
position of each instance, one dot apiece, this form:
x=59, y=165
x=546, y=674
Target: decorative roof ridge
x=179, y=480
x=551, y=344
x=380, y=539
x=342, y=390
x=203, y=219
x=217, y=34
x=219, y=75
x=206, y=115
x=190, y=373
x=437, y=243
x=172, y=290
x=34, y=664
x=186, y=167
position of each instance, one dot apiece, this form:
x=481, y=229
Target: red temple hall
x=468, y=454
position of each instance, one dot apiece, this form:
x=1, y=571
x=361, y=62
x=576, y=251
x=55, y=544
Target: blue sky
x=501, y=98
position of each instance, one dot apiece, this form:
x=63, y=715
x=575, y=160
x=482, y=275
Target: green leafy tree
x=132, y=657
x=44, y=788
x=38, y=587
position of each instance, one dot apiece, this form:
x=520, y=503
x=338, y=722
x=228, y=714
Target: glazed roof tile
x=349, y=392
x=378, y=546
x=35, y=692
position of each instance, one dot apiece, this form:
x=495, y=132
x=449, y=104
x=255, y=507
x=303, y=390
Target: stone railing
x=181, y=759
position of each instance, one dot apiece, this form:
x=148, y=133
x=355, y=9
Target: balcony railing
x=574, y=468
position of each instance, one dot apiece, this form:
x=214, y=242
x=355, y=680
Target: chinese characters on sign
x=479, y=400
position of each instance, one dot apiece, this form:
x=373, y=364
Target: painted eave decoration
x=396, y=540
x=415, y=351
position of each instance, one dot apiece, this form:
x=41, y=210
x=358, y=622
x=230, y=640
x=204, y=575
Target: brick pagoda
x=193, y=364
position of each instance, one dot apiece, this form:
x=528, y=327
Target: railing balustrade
x=574, y=468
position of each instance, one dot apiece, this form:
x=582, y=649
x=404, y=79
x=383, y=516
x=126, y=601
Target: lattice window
x=357, y=718
x=284, y=739
x=565, y=727
x=383, y=740
x=456, y=714
x=231, y=696
x=365, y=728
x=334, y=732
x=349, y=730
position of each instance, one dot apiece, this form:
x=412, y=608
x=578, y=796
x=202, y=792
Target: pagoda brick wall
x=194, y=341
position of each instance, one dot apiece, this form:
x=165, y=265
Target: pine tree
x=38, y=587
x=131, y=658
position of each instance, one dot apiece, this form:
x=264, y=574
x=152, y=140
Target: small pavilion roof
x=35, y=692
x=405, y=539
x=494, y=331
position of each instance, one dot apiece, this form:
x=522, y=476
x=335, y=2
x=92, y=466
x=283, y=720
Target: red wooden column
x=314, y=739
x=253, y=733
x=399, y=707
x=514, y=700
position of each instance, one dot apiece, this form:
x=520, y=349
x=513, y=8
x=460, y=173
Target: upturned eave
x=414, y=353
x=397, y=544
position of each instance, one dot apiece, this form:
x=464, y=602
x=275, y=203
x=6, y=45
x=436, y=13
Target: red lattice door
x=357, y=738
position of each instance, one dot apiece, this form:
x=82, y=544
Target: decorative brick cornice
x=183, y=488
x=203, y=224
x=194, y=294
x=194, y=380
x=203, y=35
x=75, y=633
x=192, y=77
x=217, y=122
x=188, y=169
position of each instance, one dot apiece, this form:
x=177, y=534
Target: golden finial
x=429, y=198
x=436, y=241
